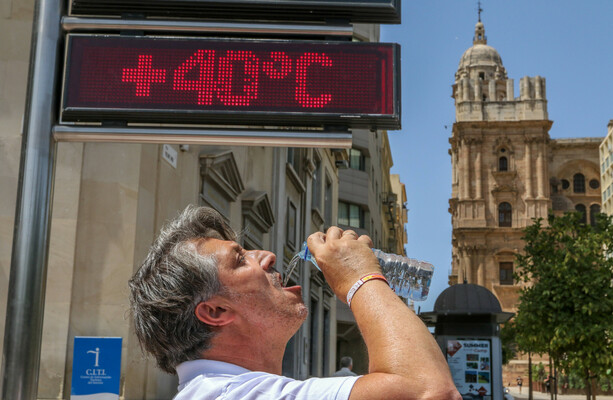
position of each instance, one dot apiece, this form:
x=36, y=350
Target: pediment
x=257, y=210
x=503, y=142
x=220, y=170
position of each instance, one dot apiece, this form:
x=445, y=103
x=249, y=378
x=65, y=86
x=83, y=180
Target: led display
x=232, y=82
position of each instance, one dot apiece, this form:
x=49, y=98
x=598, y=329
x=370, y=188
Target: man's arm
x=404, y=360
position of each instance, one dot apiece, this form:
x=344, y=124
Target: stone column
x=465, y=89
x=468, y=272
x=528, y=168
x=478, y=170
x=466, y=169
x=540, y=165
x=480, y=269
x=510, y=90
x=537, y=88
x=524, y=88
x=478, y=90
x=492, y=90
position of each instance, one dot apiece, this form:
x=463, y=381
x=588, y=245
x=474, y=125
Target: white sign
x=170, y=154
x=470, y=363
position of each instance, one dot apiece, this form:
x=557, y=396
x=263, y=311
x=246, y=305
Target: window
x=316, y=193
x=290, y=226
x=594, y=211
x=581, y=208
x=504, y=214
x=357, y=160
x=594, y=184
x=325, y=360
x=350, y=215
x=315, y=338
x=328, y=203
x=293, y=158
x=481, y=74
x=565, y=184
x=506, y=272
x=503, y=164
x=579, y=183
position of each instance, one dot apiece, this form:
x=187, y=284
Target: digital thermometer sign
x=230, y=82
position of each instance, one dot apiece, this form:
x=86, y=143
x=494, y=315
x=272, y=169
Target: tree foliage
x=566, y=300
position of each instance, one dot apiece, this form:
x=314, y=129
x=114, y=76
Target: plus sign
x=143, y=75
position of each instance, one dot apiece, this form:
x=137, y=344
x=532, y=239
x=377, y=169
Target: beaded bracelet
x=362, y=281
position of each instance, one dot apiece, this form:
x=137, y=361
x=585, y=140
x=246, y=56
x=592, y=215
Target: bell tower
x=499, y=152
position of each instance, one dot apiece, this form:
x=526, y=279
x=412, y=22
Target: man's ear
x=214, y=313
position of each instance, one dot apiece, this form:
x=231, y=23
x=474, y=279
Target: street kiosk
x=466, y=321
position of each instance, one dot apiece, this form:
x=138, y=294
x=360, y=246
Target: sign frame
x=365, y=11
x=139, y=115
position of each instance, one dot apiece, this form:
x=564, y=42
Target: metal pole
x=24, y=314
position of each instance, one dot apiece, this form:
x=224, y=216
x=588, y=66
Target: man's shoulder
x=257, y=385
x=344, y=372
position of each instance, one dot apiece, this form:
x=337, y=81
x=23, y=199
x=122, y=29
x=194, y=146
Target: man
x=346, y=364
x=218, y=316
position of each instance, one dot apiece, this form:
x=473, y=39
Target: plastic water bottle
x=408, y=278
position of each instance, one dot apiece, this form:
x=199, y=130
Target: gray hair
x=346, y=362
x=169, y=284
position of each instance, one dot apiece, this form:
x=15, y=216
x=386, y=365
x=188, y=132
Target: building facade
x=606, y=170
x=506, y=171
x=110, y=201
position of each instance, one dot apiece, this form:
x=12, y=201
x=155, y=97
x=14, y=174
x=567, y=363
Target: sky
x=569, y=43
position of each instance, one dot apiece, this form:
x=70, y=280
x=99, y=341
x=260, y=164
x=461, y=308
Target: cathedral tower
x=499, y=155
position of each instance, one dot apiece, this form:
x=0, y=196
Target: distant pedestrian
x=548, y=383
x=519, y=383
x=346, y=365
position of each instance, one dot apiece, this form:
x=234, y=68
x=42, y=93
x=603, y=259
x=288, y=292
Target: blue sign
x=96, y=368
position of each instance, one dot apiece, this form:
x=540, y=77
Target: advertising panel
x=470, y=363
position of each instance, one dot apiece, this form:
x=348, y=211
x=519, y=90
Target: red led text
x=232, y=77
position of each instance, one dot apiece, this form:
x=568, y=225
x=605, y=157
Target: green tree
x=566, y=303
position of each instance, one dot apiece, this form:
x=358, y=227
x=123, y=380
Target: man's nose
x=266, y=259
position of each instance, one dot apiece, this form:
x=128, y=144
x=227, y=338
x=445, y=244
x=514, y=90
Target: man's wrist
x=360, y=282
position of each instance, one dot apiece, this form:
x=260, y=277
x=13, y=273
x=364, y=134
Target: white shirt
x=207, y=379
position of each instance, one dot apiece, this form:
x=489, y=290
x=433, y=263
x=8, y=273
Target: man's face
x=254, y=287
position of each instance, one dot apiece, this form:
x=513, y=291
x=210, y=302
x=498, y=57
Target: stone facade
x=110, y=201
x=506, y=170
x=606, y=171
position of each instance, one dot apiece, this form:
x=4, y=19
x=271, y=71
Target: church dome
x=480, y=55
x=481, y=58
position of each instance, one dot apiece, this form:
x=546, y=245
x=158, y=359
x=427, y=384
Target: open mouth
x=277, y=281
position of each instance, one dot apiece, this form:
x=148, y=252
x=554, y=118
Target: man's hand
x=343, y=258
x=405, y=362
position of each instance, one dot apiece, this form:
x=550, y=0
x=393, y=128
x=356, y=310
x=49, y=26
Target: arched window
x=594, y=211
x=579, y=183
x=582, y=210
x=504, y=214
x=503, y=164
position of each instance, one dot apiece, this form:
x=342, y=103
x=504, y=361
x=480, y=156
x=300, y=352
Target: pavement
x=514, y=390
